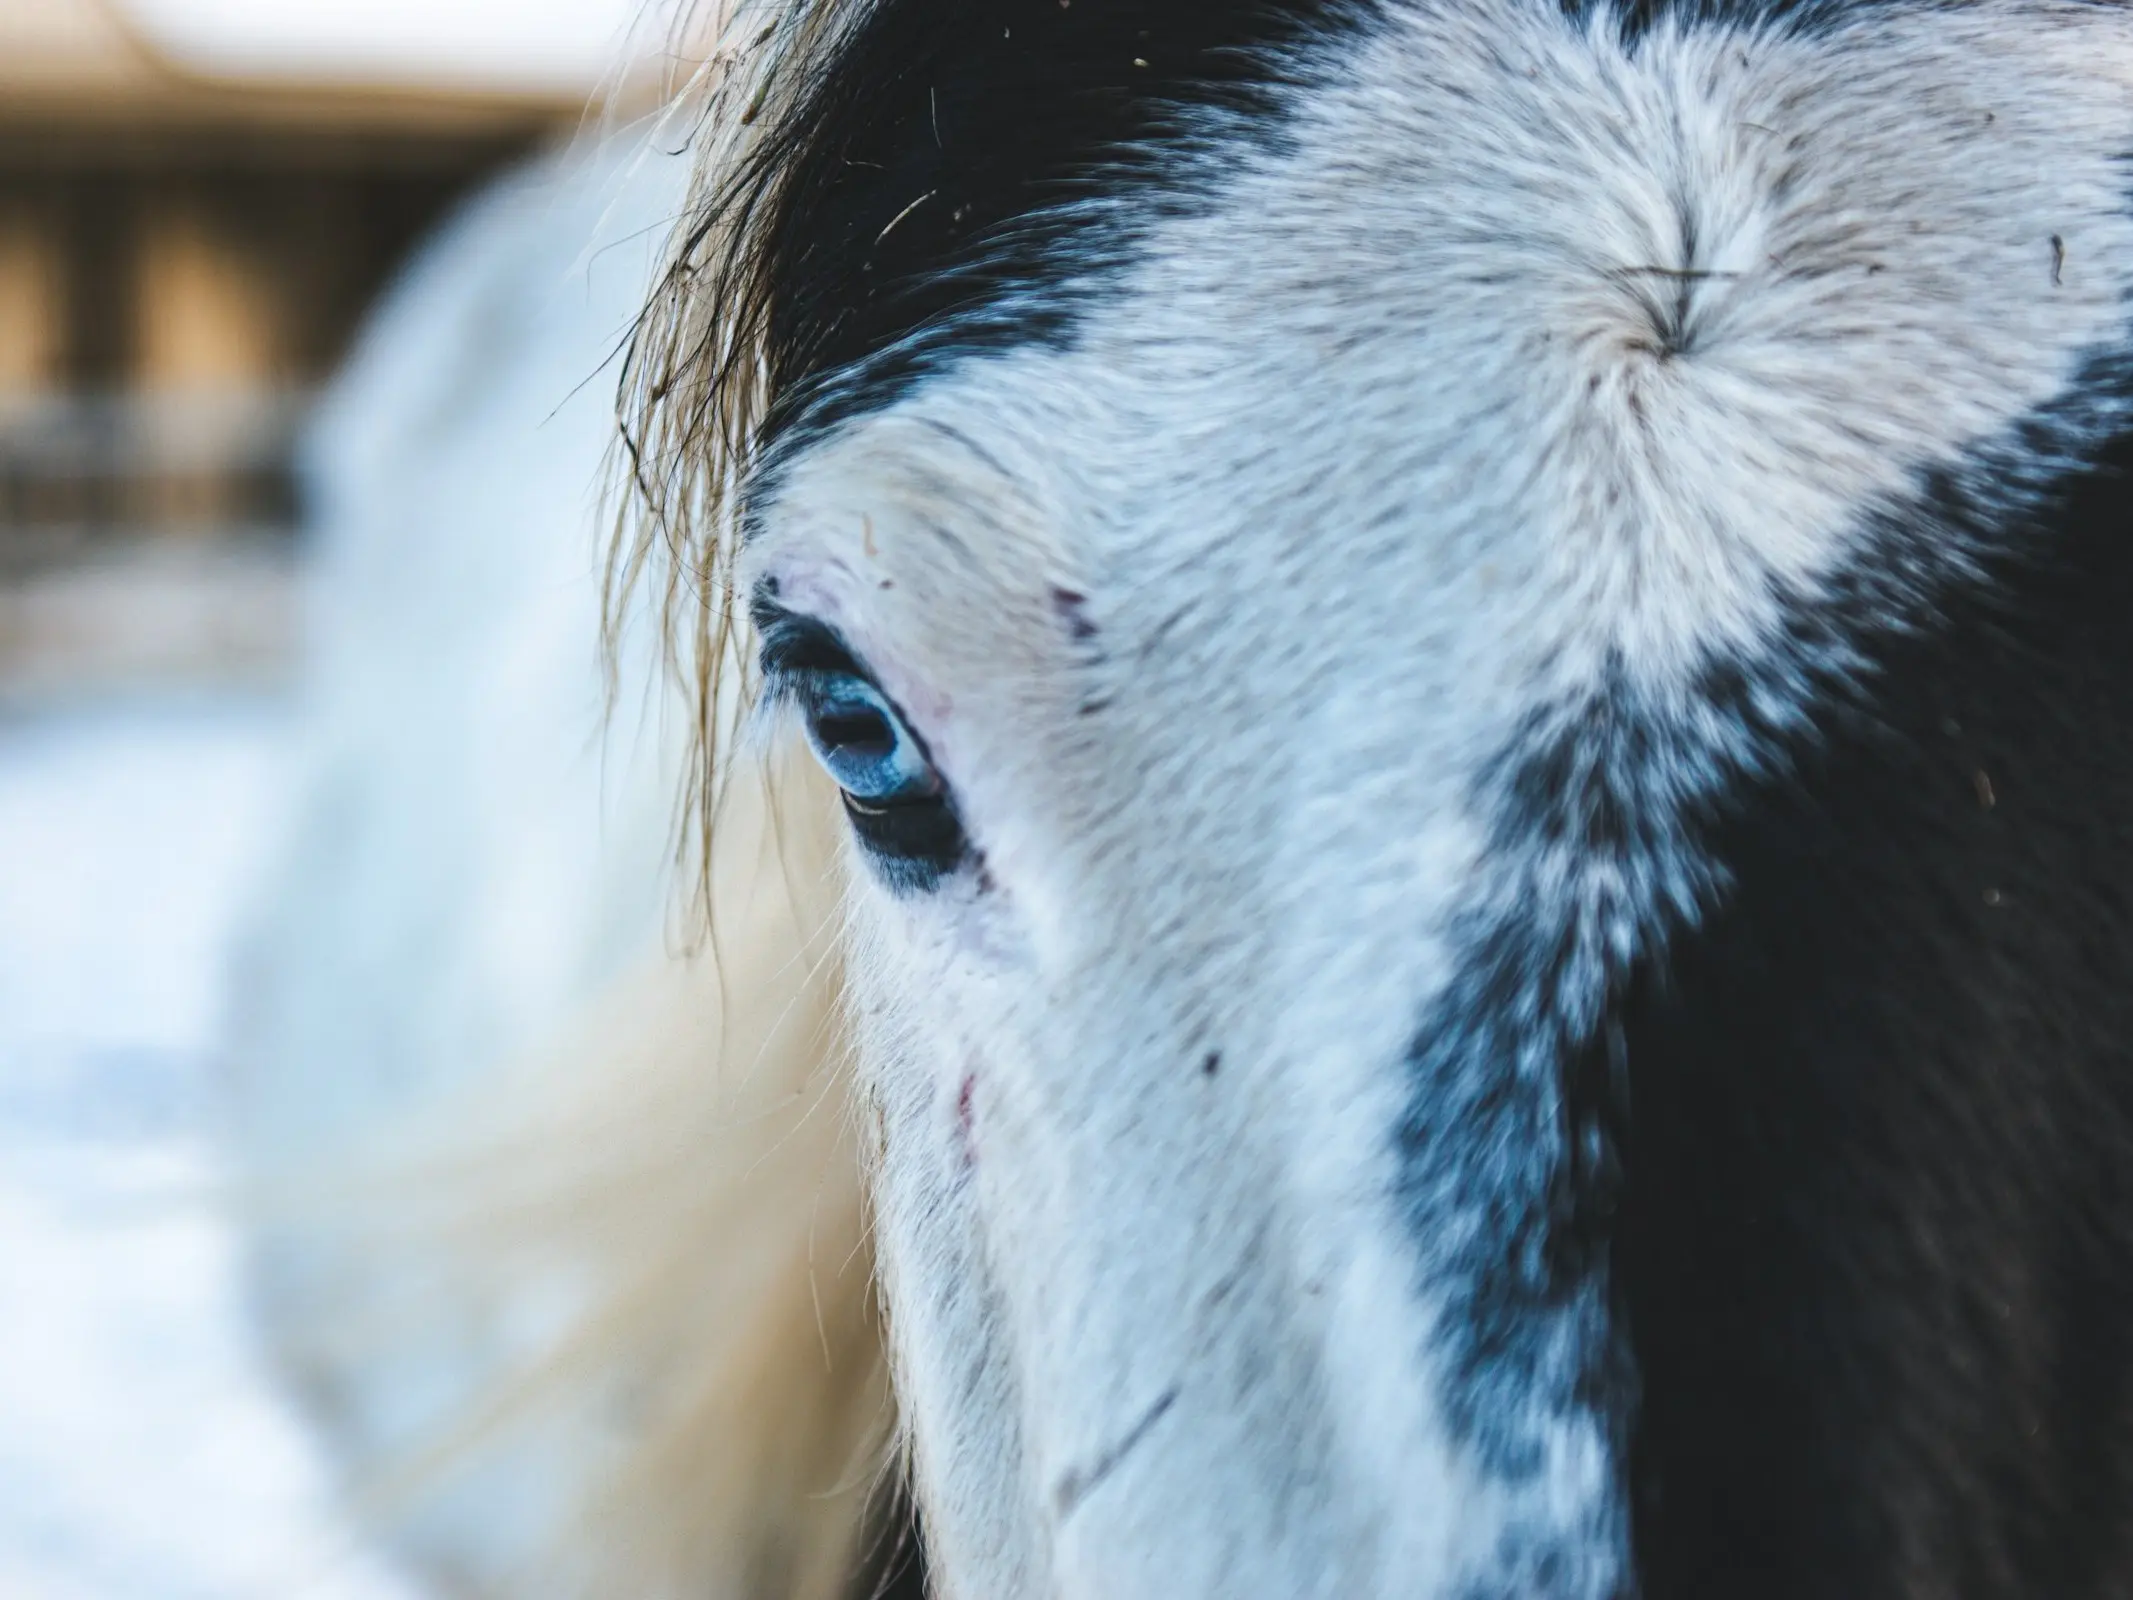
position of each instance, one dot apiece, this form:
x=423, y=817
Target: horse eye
x=862, y=741
x=897, y=802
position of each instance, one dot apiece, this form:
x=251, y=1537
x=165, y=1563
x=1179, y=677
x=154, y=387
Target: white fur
x=1382, y=454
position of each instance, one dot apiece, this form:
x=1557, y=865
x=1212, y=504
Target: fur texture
x=1488, y=1039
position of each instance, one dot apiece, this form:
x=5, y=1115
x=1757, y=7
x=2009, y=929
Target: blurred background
x=200, y=200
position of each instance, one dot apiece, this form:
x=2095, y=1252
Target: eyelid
x=799, y=654
x=914, y=839
x=791, y=645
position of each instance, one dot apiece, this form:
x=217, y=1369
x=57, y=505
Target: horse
x=1475, y=659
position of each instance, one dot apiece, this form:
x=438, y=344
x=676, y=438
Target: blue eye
x=900, y=808
x=863, y=743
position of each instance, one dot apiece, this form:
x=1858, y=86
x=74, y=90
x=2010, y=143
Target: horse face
x=1291, y=695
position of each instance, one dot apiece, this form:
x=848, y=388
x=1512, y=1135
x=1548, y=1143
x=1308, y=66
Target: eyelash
x=899, y=805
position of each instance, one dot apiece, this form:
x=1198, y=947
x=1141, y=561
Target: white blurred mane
x=557, y=1227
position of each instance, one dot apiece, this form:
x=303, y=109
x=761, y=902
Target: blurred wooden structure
x=183, y=260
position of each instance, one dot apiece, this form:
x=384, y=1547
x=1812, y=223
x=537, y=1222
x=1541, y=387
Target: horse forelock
x=848, y=233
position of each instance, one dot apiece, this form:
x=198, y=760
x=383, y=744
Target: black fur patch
x=962, y=173
x=1818, y=1195
x=1875, y=1250
x=894, y=1567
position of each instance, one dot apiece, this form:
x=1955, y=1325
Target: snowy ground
x=143, y=1455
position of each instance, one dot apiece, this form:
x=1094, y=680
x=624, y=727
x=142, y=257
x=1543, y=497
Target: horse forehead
x=945, y=200
x=1567, y=306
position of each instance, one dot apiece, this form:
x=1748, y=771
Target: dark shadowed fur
x=1876, y=1245
x=961, y=170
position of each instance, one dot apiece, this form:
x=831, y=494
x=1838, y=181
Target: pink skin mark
x=966, y=1119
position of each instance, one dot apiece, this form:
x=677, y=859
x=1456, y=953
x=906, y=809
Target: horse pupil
x=857, y=729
